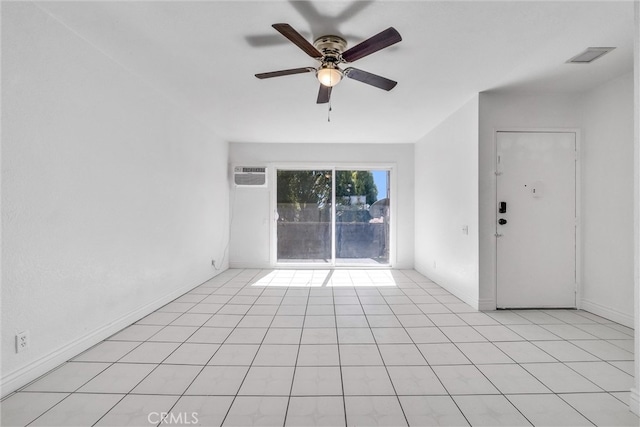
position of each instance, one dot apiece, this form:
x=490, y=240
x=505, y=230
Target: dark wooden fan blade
x=285, y=72
x=295, y=37
x=373, y=44
x=324, y=94
x=370, y=79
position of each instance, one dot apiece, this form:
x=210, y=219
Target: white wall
x=113, y=199
x=604, y=117
x=510, y=110
x=635, y=391
x=250, y=222
x=446, y=199
x=607, y=200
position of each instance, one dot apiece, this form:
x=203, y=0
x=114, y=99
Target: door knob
x=502, y=221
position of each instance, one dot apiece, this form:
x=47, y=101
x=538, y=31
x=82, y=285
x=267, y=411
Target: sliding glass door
x=304, y=200
x=332, y=216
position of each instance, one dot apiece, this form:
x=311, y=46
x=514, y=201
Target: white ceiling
x=203, y=56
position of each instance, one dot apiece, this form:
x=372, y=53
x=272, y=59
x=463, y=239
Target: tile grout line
x=295, y=366
x=335, y=318
x=474, y=365
x=428, y=364
x=214, y=353
x=110, y=365
x=558, y=361
x=401, y=287
x=256, y=355
x=382, y=358
x=21, y=389
x=150, y=372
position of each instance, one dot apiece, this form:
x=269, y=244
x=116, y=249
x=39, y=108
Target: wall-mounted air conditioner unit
x=250, y=176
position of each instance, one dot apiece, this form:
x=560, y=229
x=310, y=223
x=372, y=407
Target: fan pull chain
x=329, y=113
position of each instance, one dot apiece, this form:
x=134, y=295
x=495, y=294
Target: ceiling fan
x=330, y=51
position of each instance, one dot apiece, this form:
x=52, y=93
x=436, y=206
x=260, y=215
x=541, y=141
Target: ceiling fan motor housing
x=331, y=47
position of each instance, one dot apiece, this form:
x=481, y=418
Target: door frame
x=578, y=198
x=333, y=166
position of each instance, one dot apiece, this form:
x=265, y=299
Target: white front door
x=536, y=220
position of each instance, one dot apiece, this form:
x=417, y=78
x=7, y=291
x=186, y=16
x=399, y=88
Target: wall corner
x=635, y=400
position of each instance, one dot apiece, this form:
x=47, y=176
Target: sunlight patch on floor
x=325, y=278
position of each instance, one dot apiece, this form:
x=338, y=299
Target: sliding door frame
x=333, y=167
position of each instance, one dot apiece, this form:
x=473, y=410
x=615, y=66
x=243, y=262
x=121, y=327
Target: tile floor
x=344, y=347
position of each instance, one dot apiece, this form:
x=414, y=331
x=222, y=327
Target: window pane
x=304, y=215
x=362, y=217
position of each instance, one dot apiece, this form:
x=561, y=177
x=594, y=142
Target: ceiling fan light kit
x=330, y=51
x=329, y=75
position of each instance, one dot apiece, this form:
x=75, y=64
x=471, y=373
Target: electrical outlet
x=22, y=341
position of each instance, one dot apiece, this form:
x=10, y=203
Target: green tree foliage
x=356, y=183
x=311, y=186
x=303, y=187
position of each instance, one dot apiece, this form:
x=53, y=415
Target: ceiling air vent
x=590, y=55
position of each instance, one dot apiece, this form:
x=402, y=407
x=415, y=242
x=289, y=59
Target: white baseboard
x=607, y=312
x=248, y=265
x=24, y=375
x=486, y=304
x=634, y=402
x=469, y=299
x=472, y=300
